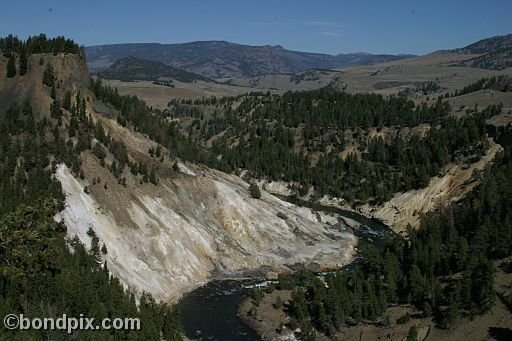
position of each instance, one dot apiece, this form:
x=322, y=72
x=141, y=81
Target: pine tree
x=66, y=102
x=23, y=62
x=278, y=302
x=175, y=166
x=11, y=66
x=413, y=334
x=482, y=286
x=254, y=191
x=53, y=92
x=152, y=177
x=48, y=76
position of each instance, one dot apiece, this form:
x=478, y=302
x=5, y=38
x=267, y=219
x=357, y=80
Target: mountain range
x=221, y=59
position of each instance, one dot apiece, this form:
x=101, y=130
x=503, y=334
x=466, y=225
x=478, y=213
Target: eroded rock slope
x=170, y=238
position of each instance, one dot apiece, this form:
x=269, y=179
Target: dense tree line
x=445, y=268
x=327, y=108
x=384, y=169
x=428, y=87
x=25, y=169
x=38, y=44
x=168, y=83
x=501, y=83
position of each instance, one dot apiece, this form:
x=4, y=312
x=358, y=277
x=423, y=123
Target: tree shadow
x=500, y=334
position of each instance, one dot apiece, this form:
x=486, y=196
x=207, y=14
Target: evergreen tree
x=66, y=102
x=152, y=177
x=176, y=166
x=11, y=66
x=23, y=61
x=412, y=335
x=48, y=77
x=254, y=190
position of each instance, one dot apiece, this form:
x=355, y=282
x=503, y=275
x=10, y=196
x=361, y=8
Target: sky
x=334, y=26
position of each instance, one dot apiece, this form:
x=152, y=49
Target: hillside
x=488, y=45
x=495, y=53
x=421, y=79
x=131, y=69
x=47, y=126
x=168, y=225
x=221, y=59
x=65, y=70
x=498, y=60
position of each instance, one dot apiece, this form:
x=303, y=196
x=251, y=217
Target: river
x=210, y=312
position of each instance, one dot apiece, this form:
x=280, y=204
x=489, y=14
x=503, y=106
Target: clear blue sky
x=335, y=26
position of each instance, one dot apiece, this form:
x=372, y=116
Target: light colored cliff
x=406, y=208
x=170, y=238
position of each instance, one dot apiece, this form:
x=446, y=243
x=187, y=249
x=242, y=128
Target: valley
x=373, y=191
x=408, y=76
x=428, y=79
x=159, y=96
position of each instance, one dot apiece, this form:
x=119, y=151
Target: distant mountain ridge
x=496, y=53
x=221, y=59
x=489, y=45
x=132, y=68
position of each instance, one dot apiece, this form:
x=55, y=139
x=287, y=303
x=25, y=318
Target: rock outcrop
x=406, y=208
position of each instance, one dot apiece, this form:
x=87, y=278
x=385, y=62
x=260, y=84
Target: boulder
x=271, y=276
x=313, y=267
x=282, y=215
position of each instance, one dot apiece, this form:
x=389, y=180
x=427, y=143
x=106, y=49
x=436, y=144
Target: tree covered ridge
x=299, y=137
x=326, y=108
x=501, y=83
x=446, y=267
x=14, y=48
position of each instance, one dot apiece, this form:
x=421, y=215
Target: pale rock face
x=406, y=208
x=173, y=239
x=277, y=187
